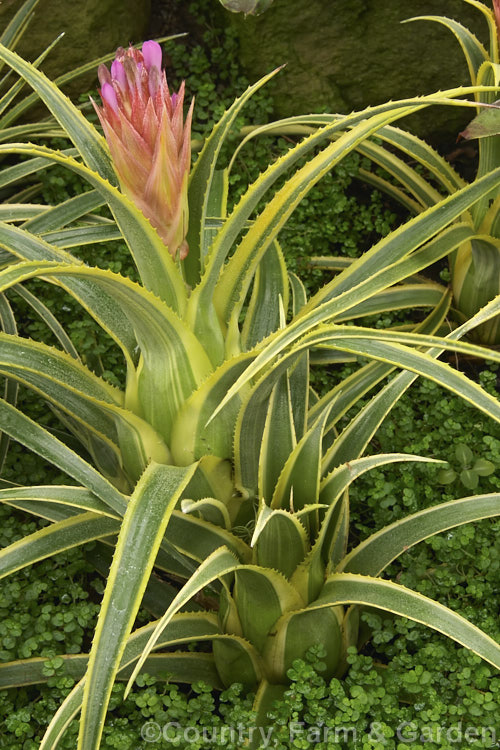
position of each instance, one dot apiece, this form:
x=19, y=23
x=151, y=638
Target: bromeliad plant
x=475, y=263
x=217, y=464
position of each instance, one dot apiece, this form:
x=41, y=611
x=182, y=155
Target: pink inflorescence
x=149, y=140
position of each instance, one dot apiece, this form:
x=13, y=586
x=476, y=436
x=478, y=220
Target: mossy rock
x=344, y=55
x=92, y=28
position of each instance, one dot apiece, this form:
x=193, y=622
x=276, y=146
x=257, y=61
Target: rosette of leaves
x=218, y=465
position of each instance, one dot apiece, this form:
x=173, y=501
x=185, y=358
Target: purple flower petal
x=108, y=95
x=103, y=75
x=154, y=81
x=152, y=54
x=118, y=73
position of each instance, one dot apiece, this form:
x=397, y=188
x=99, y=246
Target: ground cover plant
x=278, y=395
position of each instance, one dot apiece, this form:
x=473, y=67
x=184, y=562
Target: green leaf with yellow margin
x=74, y=497
x=33, y=249
x=183, y=667
x=237, y=660
x=279, y=541
x=372, y=272
x=208, y=509
x=263, y=315
x=250, y=425
x=201, y=179
x=298, y=483
x=295, y=632
x=387, y=348
x=206, y=327
x=236, y=222
x=239, y=270
x=348, y=588
x=199, y=539
x=299, y=373
x=94, y=405
x=173, y=361
x=35, y=437
x=264, y=591
x=49, y=541
x=90, y=144
x=18, y=24
x=399, y=139
x=354, y=438
x=215, y=566
x=192, y=437
x=157, y=269
x=141, y=533
x=373, y=555
x=474, y=52
x=183, y=627
x=412, y=181
x=49, y=319
x=338, y=480
x=399, y=297
x=238, y=273
x=55, y=217
x=278, y=438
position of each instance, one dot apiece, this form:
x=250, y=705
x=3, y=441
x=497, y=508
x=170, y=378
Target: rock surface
x=91, y=28
x=343, y=55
